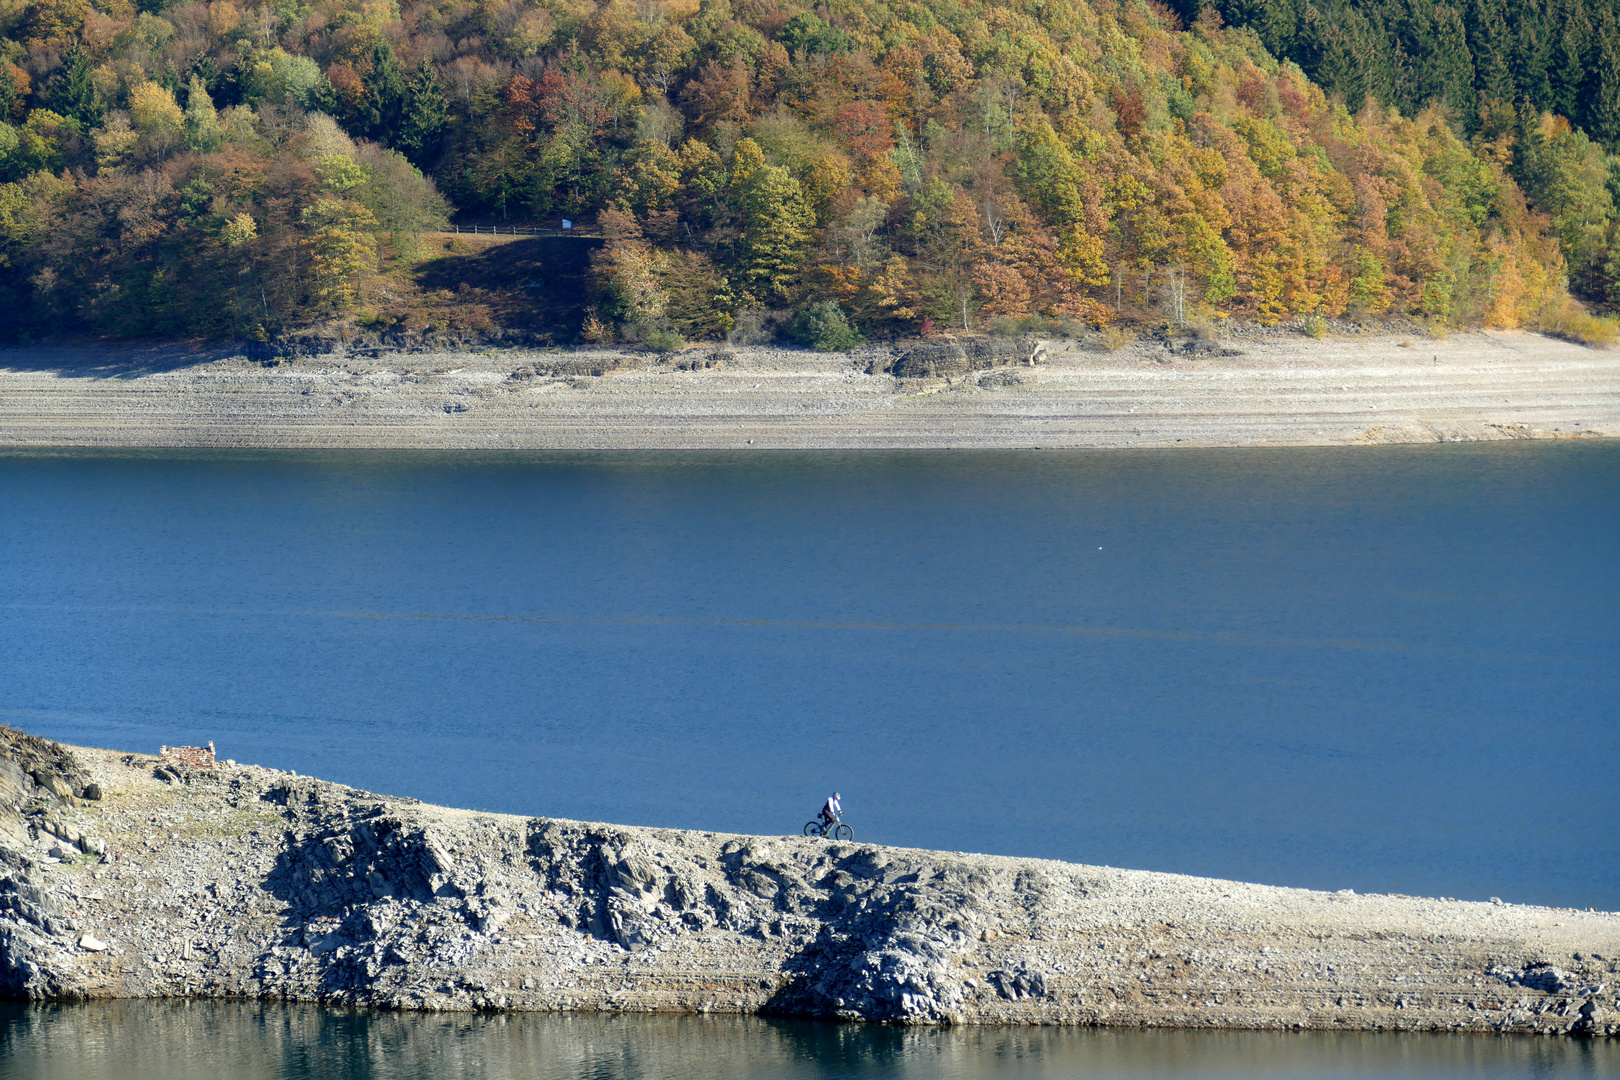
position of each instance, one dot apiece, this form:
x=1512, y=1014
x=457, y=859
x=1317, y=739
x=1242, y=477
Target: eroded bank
x=221, y=880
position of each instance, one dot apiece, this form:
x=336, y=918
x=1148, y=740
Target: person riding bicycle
x=831, y=810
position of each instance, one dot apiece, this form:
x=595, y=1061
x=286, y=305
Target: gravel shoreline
x=1269, y=390
x=136, y=876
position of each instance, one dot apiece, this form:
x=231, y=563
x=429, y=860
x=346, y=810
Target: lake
x=1392, y=669
x=208, y=1040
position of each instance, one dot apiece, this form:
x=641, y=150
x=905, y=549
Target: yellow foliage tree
x=341, y=249
x=154, y=113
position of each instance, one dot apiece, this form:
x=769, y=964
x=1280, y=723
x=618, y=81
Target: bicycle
x=835, y=829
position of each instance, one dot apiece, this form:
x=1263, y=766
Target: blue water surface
x=1387, y=669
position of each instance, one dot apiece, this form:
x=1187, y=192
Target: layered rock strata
x=239, y=881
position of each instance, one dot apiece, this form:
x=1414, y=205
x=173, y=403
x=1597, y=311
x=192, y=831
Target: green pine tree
x=1359, y=56
x=8, y=95
x=1572, y=57
x=1532, y=58
x=1602, y=113
x=384, y=108
x=169, y=79
x=1554, y=55
x=426, y=117
x=1436, y=64
x=1492, y=45
x=73, y=94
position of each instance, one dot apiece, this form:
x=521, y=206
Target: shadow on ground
x=90, y=358
x=535, y=284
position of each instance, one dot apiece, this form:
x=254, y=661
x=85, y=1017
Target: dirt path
x=1282, y=390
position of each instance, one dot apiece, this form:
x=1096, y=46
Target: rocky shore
x=138, y=876
x=1262, y=387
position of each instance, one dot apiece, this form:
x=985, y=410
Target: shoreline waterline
x=180, y=876
x=203, y=1040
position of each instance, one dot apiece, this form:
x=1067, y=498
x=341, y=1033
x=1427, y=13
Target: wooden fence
x=517, y=230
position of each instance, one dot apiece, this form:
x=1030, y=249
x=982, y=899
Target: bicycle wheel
x=843, y=832
x=812, y=828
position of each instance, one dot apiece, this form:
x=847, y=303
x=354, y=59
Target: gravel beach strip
x=1272, y=390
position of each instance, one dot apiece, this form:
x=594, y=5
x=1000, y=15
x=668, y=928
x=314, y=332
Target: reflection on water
x=185, y=1040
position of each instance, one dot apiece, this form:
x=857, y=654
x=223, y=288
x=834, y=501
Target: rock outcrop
x=953, y=358
x=239, y=881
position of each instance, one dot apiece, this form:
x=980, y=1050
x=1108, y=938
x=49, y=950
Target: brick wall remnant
x=198, y=757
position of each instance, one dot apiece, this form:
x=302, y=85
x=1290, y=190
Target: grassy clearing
x=441, y=283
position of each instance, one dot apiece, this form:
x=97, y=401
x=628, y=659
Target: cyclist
x=832, y=810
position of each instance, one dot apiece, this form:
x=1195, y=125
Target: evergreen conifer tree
x=1532, y=57
x=169, y=79
x=1572, y=50
x=384, y=107
x=202, y=121
x=1491, y=44
x=779, y=223
x=1436, y=64
x=426, y=116
x=73, y=94
x=1603, y=105
x=1557, y=55
x=8, y=94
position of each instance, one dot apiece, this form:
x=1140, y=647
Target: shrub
x=662, y=340
x=1573, y=323
x=824, y=326
x=1316, y=326
x=654, y=333
x=1200, y=328
x=1115, y=338
x=1004, y=326
x=753, y=326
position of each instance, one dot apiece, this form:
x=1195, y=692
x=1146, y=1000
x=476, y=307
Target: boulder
x=1590, y=1018
x=1544, y=977
x=1020, y=981
x=91, y=943
x=15, y=784
x=53, y=784
x=39, y=760
x=949, y=358
x=92, y=792
x=996, y=380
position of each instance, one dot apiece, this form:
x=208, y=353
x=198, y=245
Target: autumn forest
x=848, y=171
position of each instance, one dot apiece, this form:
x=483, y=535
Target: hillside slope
x=756, y=167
